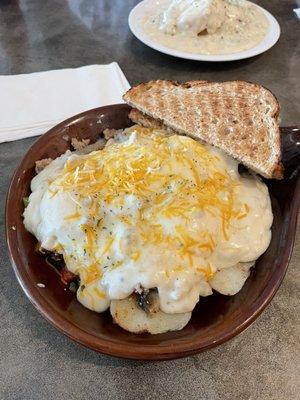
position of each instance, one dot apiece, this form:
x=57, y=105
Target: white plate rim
x=268, y=41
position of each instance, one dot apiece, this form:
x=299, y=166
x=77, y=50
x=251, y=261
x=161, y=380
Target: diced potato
x=127, y=314
x=230, y=281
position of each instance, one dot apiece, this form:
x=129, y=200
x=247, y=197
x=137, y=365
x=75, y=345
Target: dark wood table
x=37, y=362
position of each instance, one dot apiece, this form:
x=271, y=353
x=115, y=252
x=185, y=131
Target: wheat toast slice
x=238, y=117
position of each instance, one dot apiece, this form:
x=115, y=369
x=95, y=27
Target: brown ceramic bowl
x=216, y=319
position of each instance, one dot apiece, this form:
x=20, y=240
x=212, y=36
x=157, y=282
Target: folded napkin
x=31, y=104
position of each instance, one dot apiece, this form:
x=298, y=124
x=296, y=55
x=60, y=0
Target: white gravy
x=151, y=210
x=244, y=26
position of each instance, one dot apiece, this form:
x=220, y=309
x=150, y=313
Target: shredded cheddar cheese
x=149, y=210
x=171, y=178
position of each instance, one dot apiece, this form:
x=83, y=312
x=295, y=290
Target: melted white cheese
x=153, y=210
x=205, y=26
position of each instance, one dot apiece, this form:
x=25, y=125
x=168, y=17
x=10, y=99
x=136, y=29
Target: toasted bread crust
x=239, y=117
x=142, y=119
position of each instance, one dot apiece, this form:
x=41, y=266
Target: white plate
x=139, y=12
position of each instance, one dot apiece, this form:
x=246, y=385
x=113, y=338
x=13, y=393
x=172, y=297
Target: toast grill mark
x=240, y=118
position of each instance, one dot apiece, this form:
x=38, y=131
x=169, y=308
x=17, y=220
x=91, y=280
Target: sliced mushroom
x=148, y=300
x=56, y=260
x=53, y=258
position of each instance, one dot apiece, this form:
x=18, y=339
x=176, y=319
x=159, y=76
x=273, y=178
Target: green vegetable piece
x=25, y=201
x=73, y=287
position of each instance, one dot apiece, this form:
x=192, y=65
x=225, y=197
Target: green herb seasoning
x=25, y=201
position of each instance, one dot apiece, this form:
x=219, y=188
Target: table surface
x=36, y=361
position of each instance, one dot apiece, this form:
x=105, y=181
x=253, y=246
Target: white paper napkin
x=30, y=104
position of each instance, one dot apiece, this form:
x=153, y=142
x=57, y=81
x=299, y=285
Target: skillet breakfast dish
x=149, y=219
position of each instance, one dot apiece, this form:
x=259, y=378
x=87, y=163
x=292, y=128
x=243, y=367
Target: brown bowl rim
x=121, y=350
